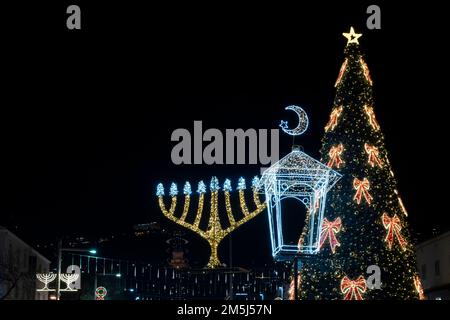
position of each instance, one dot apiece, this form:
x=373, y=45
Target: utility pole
x=95, y=286
x=58, y=279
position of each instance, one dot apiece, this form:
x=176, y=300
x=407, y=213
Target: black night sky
x=87, y=116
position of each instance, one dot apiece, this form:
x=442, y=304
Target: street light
x=60, y=250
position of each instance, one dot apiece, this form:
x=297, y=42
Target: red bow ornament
x=333, y=118
x=353, y=289
x=372, y=120
x=393, y=227
x=335, y=156
x=373, y=154
x=329, y=230
x=362, y=188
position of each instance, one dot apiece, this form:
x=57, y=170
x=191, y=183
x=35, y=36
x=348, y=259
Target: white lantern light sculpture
x=301, y=177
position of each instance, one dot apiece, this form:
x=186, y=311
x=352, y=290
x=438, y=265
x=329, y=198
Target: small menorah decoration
x=68, y=278
x=214, y=232
x=45, y=278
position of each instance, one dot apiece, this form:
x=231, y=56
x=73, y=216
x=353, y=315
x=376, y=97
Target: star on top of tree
x=352, y=37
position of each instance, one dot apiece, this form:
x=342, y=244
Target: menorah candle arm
x=243, y=203
x=259, y=206
x=168, y=213
x=74, y=277
x=250, y=215
x=228, y=208
x=214, y=221
x=181, y=221
x=201, y=200
x=46, y=277
x=187, y=201
x=256, y=199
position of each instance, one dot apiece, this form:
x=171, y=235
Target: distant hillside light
x=93, y=251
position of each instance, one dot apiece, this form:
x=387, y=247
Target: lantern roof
x=297, y=171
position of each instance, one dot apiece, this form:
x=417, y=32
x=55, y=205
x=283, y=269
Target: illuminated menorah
x=46, y=278
x=67, y=278
x=214, y=232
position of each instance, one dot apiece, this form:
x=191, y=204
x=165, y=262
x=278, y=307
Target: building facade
x=19, y=264
x=433, y=262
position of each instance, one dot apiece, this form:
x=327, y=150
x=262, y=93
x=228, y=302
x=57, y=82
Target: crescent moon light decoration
x=302, y=122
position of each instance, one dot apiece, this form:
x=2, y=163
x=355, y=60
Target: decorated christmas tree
x=365, y=224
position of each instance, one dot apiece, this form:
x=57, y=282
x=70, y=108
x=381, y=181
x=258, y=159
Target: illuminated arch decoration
x=214, y=232
x=301, y=177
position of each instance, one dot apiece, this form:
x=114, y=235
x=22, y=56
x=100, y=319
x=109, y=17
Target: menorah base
x=45, y=290
x=214, y=261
